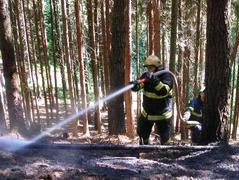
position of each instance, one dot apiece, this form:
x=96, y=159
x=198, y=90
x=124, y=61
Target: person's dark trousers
x=196, y=134
x=144, y=128
x=164, y=130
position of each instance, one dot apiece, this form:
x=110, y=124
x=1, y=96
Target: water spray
x=11, y=144
x=116, y=93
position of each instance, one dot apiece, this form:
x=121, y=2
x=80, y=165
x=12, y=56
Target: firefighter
x=157, y=102
x=193, y=116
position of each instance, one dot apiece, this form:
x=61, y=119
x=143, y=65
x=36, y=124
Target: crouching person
x=193, y=117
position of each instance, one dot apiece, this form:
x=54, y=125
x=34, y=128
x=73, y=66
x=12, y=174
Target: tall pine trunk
x=15, y=110
x=116, y=105
x=218, y=72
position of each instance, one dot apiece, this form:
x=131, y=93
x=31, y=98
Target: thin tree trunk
x=234, y=106
x=22, y=59
x=3, y=124
x=173, y=35
x=197, y=46
x=73, y=126
x=46, y=64
x=180, y=125
x=156, y=38
x=150, y=27
x=82, y=66
x=39, y=50
x=127, y=56
x=59, y=52
x=54, y=56
x=31, y=61
x=94, y=63
x=105, y=49
x=138, y=112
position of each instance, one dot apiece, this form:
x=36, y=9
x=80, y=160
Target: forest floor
x=217, y=162
x=220, y=162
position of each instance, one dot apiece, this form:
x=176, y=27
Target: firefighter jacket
x=157, y=97
x=195, y=108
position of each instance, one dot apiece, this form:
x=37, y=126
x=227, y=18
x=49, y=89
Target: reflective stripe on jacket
x=157, y=98
x=165, y=115
x=195, y=107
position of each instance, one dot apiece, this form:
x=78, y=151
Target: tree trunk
x=59, y=53
x=54, y=56
x=94, y=63
x=39, y=50
x=82, y=67
x=236, y=110
x=138, y=112
x=3, y=124
x=173, y=36
x=116, y=105
x=180, y=125
x=196, y=48
x=10, y=72
x=105, y=49
x=150, y=27
x=73, y=126
x=128, y=95
x=215, y=114
x=156, y=38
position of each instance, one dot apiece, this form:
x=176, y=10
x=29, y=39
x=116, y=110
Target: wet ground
x=207, y=163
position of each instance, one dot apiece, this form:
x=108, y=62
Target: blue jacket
x=195, y=107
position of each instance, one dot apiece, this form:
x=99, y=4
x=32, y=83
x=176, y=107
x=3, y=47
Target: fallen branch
x=118, y=147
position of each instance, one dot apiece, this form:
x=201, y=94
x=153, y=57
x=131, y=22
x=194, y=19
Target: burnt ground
x=221, y=162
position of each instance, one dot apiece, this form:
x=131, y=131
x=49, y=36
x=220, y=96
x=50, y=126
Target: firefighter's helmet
x=152, y=60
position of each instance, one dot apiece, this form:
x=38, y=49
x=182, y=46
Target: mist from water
x=8, y=143
x=11, y=144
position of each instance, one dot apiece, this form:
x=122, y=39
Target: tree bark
x=10, y=72
x=116, y=105
x=128, y=95
x=215, y=114
x=94, y=60
x=82, y=66
x=196, y=48
x=73, y=126
x=173, y=35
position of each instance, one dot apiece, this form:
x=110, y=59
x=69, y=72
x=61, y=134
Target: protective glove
x=136, y=84
x=154, y=80
x=186, y=116
x=191, y=124
x=146, y=75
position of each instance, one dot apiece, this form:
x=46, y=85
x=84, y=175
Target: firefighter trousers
x=144, y=128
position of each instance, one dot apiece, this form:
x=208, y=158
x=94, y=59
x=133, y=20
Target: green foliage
x=142, y=54
x=234, y=19
x=49, y=31
x=142, y=34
